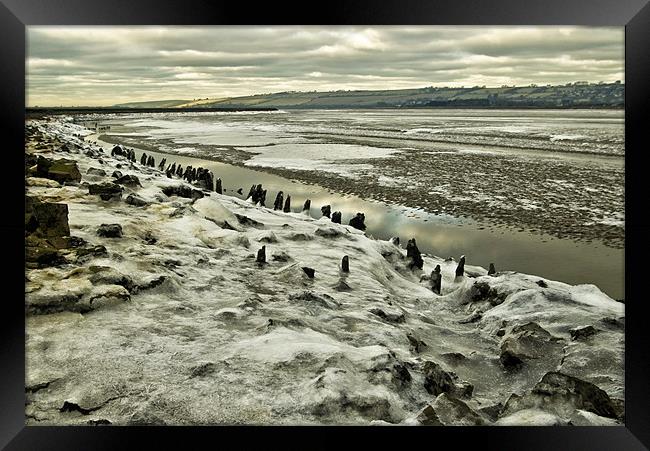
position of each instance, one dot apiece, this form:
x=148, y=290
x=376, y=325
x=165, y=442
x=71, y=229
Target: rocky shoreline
x=153, y=300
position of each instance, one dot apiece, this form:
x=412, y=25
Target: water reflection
x=440, y=235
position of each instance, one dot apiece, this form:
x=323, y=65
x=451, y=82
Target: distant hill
x=572, y=95
x=153, y=104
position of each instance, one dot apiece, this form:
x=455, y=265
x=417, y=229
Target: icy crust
x=177, y=324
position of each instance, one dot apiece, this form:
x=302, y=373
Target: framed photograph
x=275, y=223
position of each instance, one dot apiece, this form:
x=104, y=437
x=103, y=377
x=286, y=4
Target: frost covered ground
x=177, y=324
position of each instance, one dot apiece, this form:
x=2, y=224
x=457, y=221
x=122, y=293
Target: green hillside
x=571, y=95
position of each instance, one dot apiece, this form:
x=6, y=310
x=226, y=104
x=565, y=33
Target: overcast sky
x=108, y=65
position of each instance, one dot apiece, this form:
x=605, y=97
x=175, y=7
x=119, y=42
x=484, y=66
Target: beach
x=175, y=317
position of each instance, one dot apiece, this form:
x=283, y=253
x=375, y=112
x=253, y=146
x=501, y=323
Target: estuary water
x=534, y=191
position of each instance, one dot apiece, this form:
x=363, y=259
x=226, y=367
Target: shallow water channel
x=441, y=235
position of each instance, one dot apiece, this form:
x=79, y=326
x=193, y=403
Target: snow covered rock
x=447, y=410
x=527, y=341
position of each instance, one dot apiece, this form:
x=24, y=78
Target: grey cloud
x=106, y=65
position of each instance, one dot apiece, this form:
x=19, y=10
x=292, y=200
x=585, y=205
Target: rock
x=299, y=236
x=581, y=333
x=394, y=240
x=110, y=231
x=105, y=275
x=149, y=238
x=437, y=380
x=132, y=199
x=246, y=221
x=309, y=271
x=182, y=191
x=358, y=221
x=308, y=297
x=342, y=285
x=451, y=411
x=492, y=270
x=328, y=232
x=531, y=417
x=203, y=369
x=277, y=205
x=46, y=220
x=336, y=217
x=345, y=264
x=281, y=257
x=542, y=283
x=391, y=317
x=428, y=417
x=267, y=237
x=287, y=205
x=524, y=342
x=586, y=418
x=239, y=191
x=42, y=182
x=492, y=412
x=413, y=253
x=474, y=317
x=436, y=280
x=460, y=269
x=453, y=358
x=128, y=180
x=561, y=395
x=261, y=255
x=326, y=210
x=106, y=190
x=117, y=150
x=307, y=206
x=40, y=253
x=96, y=171
x=61, y=170
x=482, y=292
x=417, y=345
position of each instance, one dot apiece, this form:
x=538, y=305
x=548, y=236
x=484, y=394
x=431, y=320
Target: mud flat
x=570, y=257
x=151, y=304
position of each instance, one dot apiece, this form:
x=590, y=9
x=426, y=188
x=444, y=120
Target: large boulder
x=128, y=180
x=182, y=191
x=447, y=410
x=525, y=342
x=45, y=219
x=106, y=190
x=562, y=395
x=61, y=170
x=437, y=381
x=137, y=201
x=110, y=231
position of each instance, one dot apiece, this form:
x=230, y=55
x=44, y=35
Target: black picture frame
x=633, y=14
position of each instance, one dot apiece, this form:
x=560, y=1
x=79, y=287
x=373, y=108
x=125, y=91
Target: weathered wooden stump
x=261, y=255
x=436, y=280
x=460, y=269
x=345, y=264
x=413, y=253
x=326, y=210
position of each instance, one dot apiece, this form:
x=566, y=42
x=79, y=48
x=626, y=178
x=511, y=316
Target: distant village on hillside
x=579, y=94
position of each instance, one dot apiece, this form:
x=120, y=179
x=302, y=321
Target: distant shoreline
x=36, y=112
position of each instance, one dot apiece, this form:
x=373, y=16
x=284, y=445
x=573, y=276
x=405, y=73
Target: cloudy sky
x=108, y=65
